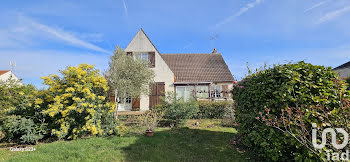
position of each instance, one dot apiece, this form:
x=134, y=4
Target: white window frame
x=200, y=95
x=215, y=91
x=185, y=98
x=142, y=56
x=128, y=100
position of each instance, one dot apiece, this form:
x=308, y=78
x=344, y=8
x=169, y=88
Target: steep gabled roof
x=198, y=67
x=3, y=71
x=346, y=65
x=140, y=42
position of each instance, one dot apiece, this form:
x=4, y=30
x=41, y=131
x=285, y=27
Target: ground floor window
x=185, y=92
x=202, y=92
x=215, y=91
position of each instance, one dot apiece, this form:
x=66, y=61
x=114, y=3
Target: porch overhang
x=192, y=83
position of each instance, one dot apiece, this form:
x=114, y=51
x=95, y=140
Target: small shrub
x=228, y=118
x=213, y=109
x=22, y=130
x=151, y=118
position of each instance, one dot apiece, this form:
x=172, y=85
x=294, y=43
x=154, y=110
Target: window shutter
x=225, y=91
x=129, y=53
x=151, y=57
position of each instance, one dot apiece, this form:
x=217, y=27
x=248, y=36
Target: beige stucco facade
x=139, y=44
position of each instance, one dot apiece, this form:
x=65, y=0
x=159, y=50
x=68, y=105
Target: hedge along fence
x=275, y=88
x=213, y=109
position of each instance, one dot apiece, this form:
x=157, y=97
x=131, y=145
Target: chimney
x=214, y=51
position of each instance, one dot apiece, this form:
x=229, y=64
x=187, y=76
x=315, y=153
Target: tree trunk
x=116, y=104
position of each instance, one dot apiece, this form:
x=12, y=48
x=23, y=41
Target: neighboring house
x=5, y=75
x=343, y=70
x=199, y=76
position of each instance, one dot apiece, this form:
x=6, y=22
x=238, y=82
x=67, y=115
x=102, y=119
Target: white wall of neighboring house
x=10, y=74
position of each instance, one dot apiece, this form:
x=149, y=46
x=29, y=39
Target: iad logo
x=344, y=156
x=334, y=137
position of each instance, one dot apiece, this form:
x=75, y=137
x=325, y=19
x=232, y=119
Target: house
x=6, y=75
x=343, y=70
x=200, y=76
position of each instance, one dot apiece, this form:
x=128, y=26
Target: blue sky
x=45, y=36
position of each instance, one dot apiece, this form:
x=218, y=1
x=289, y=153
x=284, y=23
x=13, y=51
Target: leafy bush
x=213, y=109
x=20, y=118
x=76, y=103
x=181, y=110
x=22, y=130
x=228, y=119
x=12, y=96
x=347, y=80
x=292, y=122
x=176, y=111
x=276, y=88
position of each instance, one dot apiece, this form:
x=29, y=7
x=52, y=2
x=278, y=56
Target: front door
x=157, y=93
x=135, y=104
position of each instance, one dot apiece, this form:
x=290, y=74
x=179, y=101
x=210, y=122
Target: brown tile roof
x=3, y=71
x=198, y=67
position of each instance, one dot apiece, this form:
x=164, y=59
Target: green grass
x=206, y=142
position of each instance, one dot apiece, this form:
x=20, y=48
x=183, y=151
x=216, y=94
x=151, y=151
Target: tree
x=77, y=105
x=128, y=76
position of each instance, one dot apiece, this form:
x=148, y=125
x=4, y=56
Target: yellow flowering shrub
x=77, y=104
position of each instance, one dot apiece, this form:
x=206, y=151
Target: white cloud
x=61, y=34
x=27, y=32
x=125, y=8
x=239, y=13
x=332, y=15
x=316, y=5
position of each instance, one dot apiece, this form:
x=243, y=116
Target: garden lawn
x=206, y=142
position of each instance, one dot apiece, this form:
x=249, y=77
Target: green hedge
x=213, y=109
x=179, y=110
x=276, y=88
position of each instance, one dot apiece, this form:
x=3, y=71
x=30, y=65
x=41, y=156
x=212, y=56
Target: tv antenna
x=212, y=38
x=13, y=65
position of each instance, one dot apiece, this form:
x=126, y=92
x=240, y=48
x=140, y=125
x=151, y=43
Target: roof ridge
x=343, y=65
x=149, y=39
x=189, y=53
x=141, y=30
x=4, y=71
